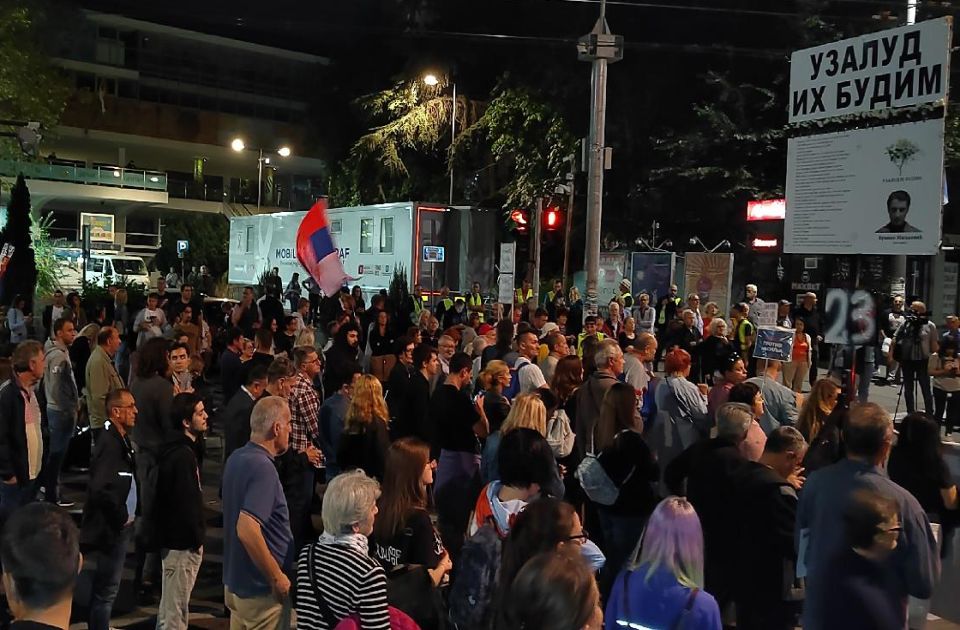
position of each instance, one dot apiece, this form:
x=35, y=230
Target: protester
x=17, y=320
x=817, y=408
x=63, y=403
x=153, y=392
x=767, y=592
x=798, y=367
x=714, y=350
x=113, y=503
x=333, y=414
x=732, y=371
x=257, y=541
x=610, y=363
x=365, y=438
x=415, y=418
x=554, y=590
x=21, y=439
x=179, y=368
x=917, y=465
x=912, y=345
x=304, y=439
x=859, y=592
x=557, y=348
x=101, y=378
x=780, y=402
x=527, y=412
x=336, y=577
x=399, y=378
x=40, y=552
x=913, y=567
x=235, y=417
x=663, y=585
x=749, y=394
x=151, y=321
x=945, y=369
x=492, y=381
x=629, y=464
x=706, y=474
x=685, y=404
x=180, y=526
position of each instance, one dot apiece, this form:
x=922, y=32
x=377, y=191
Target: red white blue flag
x=317, y=252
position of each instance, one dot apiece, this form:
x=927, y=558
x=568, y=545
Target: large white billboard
x=866, y=191
x=899, y=67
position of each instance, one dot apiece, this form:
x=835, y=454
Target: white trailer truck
x=436, y=245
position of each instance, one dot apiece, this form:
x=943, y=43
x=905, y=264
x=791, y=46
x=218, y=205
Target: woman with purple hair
x=661, y=588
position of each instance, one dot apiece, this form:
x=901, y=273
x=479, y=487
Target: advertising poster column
x=709, y=276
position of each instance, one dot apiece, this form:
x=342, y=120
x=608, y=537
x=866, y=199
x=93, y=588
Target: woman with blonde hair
x=492, y=381
x=365, y=438
x=527, y=412
x=662, y=587
x=817, y=408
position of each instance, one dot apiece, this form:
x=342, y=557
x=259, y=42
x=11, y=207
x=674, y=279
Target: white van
x=103, y=268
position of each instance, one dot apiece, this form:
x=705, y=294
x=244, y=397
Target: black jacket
x=179, y=512
x=113, y=468
x=416, y=405
x=766, y=506
x=397, y=388
x=235, y=420
x=13, y=435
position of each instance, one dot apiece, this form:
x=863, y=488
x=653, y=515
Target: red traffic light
x=552, y=218
x=519, y=218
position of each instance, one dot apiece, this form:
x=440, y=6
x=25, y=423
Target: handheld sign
x=774, y=343
x=851, y=318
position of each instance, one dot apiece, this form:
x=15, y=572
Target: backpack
x=473, y=589
x=560, y=436
x=512, y=390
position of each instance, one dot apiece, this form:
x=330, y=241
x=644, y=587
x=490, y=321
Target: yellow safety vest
x=476, y=300
x=582, y=336
x=518, y=293
x=447, y=304
x=662, y=316
x=627, y=300
x=417, y=305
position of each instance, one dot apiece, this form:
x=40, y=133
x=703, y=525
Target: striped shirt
x=348, y=581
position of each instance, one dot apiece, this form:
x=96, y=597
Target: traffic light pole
x=567, y=228
x=535, y=248
x=599, y=47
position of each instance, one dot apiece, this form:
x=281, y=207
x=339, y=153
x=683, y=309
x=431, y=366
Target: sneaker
x=65, y=504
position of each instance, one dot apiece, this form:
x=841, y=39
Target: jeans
x=106, y=580
x=14, y=495
x=620, y=536
x=63, y=424
x=916, y=371
x=180, y=568
x=951, y=405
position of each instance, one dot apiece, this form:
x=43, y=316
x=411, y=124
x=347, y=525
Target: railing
x=116, y=177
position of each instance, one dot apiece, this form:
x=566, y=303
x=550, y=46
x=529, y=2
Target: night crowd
x=386, y=462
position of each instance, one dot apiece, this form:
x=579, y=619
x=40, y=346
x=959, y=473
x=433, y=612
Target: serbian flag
x=317, y=252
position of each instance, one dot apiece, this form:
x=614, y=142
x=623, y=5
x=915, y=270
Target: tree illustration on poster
x=21, y=274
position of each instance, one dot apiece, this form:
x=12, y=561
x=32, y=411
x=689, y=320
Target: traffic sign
x=183, y=246
x=433, y=254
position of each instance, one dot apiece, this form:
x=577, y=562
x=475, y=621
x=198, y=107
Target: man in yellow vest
x=626, y=298
x=520, y=296
x=417, y=299
x=589, y=330
x=550, y=300
x=475, y=301
x=444, y=303
x=666, y=313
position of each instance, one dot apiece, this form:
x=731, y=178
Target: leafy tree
x=209, y=237
x=402, y=156
x=526, y=139
x=48, y=267
x=21, y=275
x=31, y=89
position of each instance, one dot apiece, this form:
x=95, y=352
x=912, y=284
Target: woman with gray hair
x=336, y=577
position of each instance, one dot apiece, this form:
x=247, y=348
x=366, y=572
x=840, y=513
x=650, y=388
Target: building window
x=386, y=235
x=366, y=236
x=335, y=226
x=249, y=239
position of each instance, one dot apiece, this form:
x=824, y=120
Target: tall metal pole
x=453, y=135
x=571, y=178
x=598, y=47
x=535, y=248
x=259, y=177
x=899, y=271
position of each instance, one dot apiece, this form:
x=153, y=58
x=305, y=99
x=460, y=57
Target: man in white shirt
x=693, y=303
x=557, y=344
x=528, y=347
x=149, y=322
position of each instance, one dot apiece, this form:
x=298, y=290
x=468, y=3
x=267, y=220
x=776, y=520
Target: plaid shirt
x=304, y=414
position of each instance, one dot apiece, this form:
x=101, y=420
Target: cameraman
x=913, y=343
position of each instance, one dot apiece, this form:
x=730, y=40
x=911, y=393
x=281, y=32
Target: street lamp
x=431, y=80
x=239, y=146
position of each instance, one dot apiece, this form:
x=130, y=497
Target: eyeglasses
x=580, y=538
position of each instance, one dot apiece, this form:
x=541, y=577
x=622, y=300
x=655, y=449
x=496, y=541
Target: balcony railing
x=98, y=176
